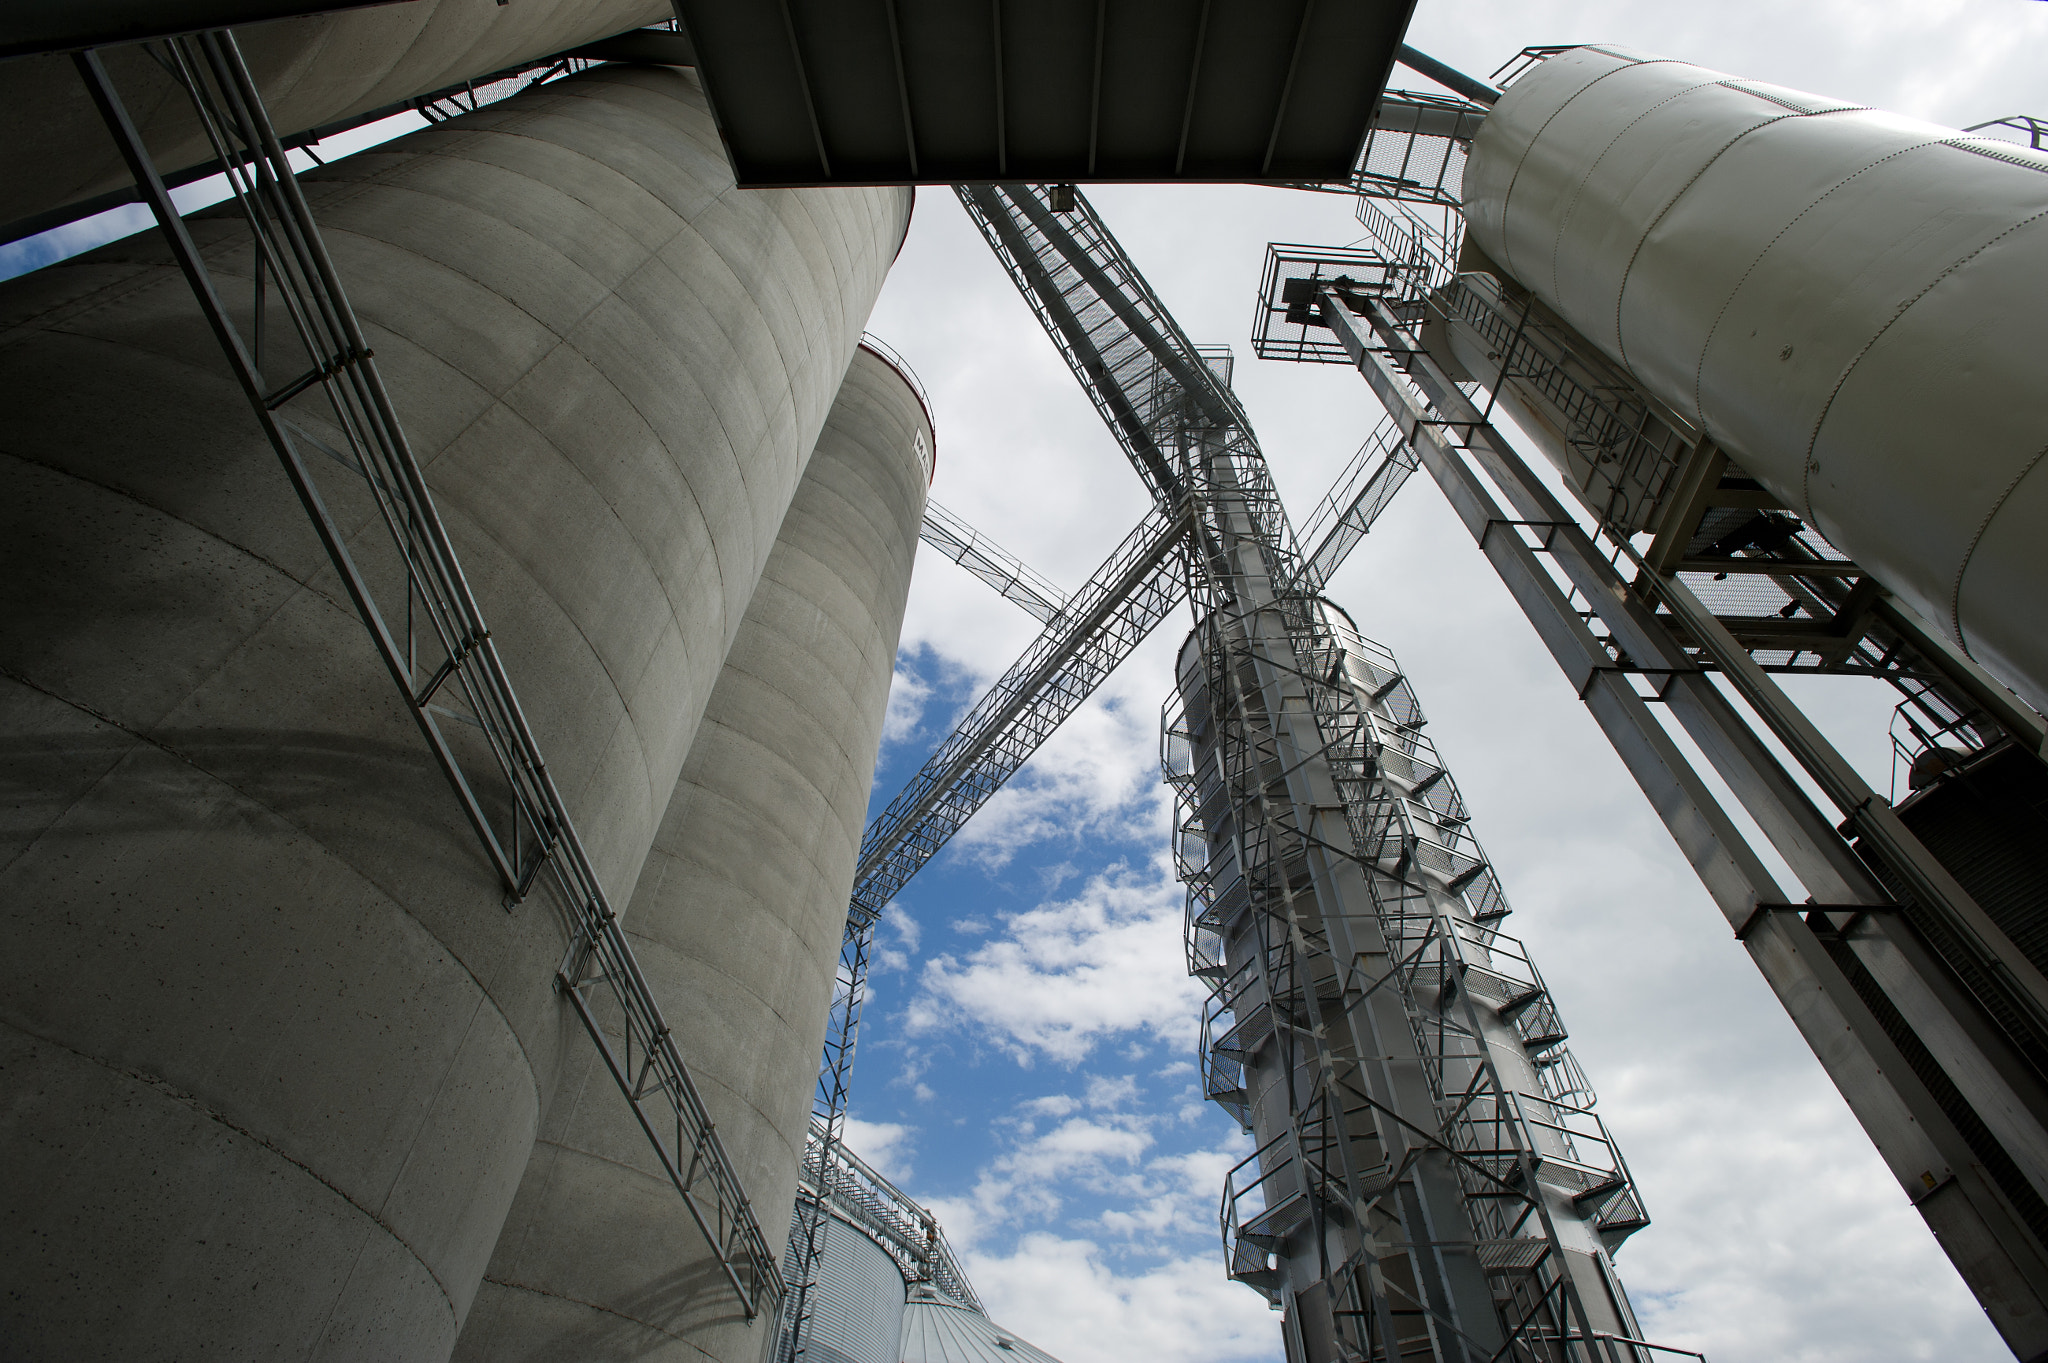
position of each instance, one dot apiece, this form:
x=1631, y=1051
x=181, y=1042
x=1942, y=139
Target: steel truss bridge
x=1216, y=535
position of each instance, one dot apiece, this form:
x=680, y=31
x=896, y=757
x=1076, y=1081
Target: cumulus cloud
x=1065, y=1298
x=884, y=1145
x=1064, y=977
x=1098, y=776
x=896, y=939
x=1100, y=1166
x=908, y=693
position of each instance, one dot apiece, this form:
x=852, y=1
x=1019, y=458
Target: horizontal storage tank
x=1852, y=303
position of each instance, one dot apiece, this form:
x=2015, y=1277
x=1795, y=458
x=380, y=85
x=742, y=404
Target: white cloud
x=1052, y=1105
x=1105, y=1092
x=896, y=939
x=907, y=694
x=884, y=1145
x=1062, y=1296
x=905, y=927
x=1072, y=973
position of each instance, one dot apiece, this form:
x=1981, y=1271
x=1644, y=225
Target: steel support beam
x=31, y=26
x=1935, y=1165
x=1012, y=578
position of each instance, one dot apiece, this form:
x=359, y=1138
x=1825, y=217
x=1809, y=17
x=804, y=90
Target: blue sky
x=1027, y=1060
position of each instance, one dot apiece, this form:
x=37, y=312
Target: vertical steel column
x=1967, y=1202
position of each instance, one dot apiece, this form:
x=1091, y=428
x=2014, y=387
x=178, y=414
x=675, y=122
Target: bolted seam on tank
x=1564, y=218
x=1700, y=369
x=1508, y=195
x=1955, y=602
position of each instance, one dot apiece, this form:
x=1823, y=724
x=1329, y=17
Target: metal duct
x=313, y=71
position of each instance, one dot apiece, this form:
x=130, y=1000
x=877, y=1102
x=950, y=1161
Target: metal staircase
x=1137, y=369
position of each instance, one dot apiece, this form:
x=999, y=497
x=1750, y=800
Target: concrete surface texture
x=736, y=922
x=274, y=1052
x=312, y=71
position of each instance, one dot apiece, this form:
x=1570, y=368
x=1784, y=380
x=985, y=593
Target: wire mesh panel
x=1288, y=324
x=1416, y=148
x=1346, y=512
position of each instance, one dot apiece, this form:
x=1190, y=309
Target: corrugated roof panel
x=816, y=92
x=939, y=1330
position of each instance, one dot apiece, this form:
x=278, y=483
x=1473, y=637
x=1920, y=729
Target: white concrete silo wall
x=1852, y=303
x=276, y=1052
x=312, y=71
x=736, y=922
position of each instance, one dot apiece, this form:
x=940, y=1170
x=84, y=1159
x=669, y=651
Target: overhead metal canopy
x=825, y=92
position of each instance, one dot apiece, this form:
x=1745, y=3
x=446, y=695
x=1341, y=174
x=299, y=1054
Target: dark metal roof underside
x=811, y=92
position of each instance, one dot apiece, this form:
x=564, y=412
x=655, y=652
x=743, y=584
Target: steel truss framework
x=1102, y=316
x=1922, y=1011
x=1124, y=350
x=1167, y=403
x=1421, y=1196
x=425, y=623
x=905, y=1230
x=1012, y=578
x=1136, y=588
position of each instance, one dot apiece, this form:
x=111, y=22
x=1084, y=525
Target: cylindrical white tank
x=736, y=922
x=1853, y=304
x=275, y=1050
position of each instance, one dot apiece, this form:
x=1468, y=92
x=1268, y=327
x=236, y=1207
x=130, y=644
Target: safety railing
x=1346, y=512
x=905, y=1229
x=1012, y=578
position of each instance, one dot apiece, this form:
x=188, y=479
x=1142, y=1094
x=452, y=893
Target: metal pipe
x=1449, y=77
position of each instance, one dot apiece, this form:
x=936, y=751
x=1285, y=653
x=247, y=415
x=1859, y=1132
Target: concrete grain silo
x=736, y=922
x=314, y=71
x=276, y=1050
